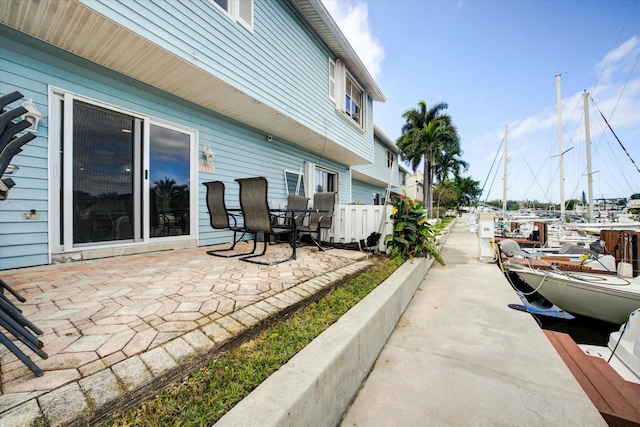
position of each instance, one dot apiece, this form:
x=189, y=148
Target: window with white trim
x=353, y=101
x=239, y=10
x=319, y=179
x=326, y=180
x=294, y=182
x=348, y=95
x=390, y=157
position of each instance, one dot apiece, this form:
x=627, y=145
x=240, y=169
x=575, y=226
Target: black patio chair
x=12, y=320
x=325, y=203
x=294, y=203
x=259, y=219
x=221, y=219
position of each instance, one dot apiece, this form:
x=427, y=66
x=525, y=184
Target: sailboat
x=607, y=297
x=610, y=298
x=591, y=226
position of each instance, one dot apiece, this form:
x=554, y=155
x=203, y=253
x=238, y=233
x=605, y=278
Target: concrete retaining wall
x=316, y=385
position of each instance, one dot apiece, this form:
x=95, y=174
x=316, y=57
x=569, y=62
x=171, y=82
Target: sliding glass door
x=105, y=174
x=169, y=172
x=120, y=178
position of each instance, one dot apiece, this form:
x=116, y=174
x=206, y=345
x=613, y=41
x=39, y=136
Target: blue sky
x=494, y=63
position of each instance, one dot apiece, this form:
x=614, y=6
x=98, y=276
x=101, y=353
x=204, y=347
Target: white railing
x=353, y=223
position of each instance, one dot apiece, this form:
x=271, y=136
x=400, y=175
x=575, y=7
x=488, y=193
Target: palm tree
x=469, y=191
x=447, y=161
x=165, y=190
x=418, y=140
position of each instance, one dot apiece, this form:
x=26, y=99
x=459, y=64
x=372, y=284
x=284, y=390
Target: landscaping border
x=317, y=385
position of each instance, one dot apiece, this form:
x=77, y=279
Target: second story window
x=345, y=91
x=238, y=10
x=390, y=157
x=353, y=101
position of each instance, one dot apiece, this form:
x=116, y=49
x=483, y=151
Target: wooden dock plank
x=617, y=400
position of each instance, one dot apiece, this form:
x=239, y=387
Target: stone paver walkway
x=119, y=327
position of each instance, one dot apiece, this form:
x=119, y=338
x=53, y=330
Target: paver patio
x=118, y=328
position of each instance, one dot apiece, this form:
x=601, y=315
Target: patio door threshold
x=94, y=253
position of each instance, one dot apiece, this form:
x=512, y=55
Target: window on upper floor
x=353, y=101
x=345, y=91
x=390, y=157
x=238, y=10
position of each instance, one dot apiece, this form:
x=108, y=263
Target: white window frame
x=299, y=173
x=310, y=179
x=56, y=139
x=240, y=11
x=340, y=79
x=350, y=85
x=390, y=157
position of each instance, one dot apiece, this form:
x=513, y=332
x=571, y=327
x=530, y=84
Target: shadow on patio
x=117, y=329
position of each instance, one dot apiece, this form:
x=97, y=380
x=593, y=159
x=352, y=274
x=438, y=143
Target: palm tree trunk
x=425, y=178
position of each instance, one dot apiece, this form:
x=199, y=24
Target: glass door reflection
x=169, y=176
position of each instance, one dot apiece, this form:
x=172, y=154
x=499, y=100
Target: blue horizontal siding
x=362, y=193
x=282, y=63
x=240, y=151
x=27, y=260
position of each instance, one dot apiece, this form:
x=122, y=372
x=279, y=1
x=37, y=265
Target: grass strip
x=209, y=393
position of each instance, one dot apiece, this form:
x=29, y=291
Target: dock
x=617, y=400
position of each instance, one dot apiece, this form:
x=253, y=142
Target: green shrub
x=413, y=236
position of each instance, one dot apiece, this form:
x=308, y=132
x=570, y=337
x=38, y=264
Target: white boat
x=597, y=227
x=605, y=297
x=623, y=349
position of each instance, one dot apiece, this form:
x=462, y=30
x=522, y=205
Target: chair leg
x=20, y=355
x=264, y=250
x=217, y=252
x=317, y=241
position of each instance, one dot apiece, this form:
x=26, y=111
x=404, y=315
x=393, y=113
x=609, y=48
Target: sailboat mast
x=506, y=160
x=587, y=133
x=559, y=102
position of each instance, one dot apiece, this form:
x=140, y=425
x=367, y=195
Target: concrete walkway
x=460, y=357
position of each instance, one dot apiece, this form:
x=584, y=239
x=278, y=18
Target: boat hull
x=611, y=299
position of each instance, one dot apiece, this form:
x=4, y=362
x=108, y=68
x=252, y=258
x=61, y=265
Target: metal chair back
x=324, y=201
x=221, y=218
x=254, y=204
x=218, y=216
x=295, y=201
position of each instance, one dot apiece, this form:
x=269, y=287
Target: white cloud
x=619, y=59
x=352, y=18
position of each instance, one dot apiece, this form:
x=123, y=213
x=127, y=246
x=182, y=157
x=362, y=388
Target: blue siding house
x=371, y=181
x=146, y=100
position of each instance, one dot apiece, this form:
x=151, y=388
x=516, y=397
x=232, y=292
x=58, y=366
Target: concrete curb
x=317, y=385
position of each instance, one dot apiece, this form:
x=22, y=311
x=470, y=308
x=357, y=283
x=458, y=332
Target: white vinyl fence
x=352, y=223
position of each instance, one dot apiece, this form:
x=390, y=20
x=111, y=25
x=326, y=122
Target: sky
x=495, y=64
